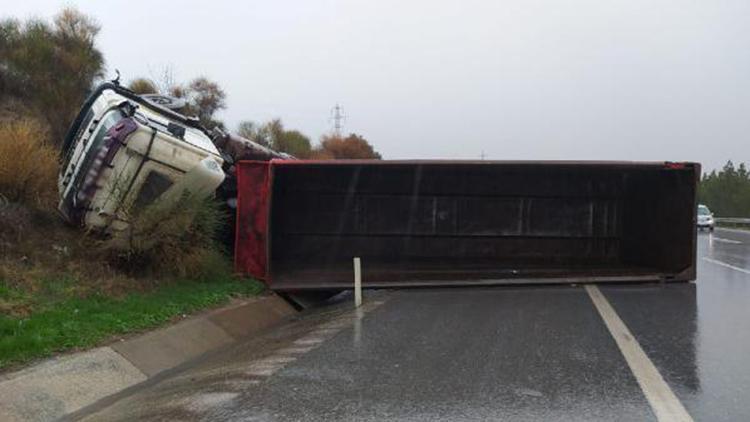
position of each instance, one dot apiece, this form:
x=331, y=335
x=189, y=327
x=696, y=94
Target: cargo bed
x=417, y=223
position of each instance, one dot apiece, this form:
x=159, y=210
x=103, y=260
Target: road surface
x=616, y=353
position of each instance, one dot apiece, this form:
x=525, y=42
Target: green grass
x=62, y=321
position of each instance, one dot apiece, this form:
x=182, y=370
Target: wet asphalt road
x=534, y=353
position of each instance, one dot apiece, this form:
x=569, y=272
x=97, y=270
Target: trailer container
x=441, y=223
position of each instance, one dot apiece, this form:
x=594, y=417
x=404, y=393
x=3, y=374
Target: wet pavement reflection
x=698, y=335
x=531, y=353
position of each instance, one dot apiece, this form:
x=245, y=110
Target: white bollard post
x=357, y=282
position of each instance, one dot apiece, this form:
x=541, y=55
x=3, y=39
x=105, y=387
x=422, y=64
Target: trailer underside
x=458, y=223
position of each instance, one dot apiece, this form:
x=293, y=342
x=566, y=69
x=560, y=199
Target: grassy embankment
x=58, y=319
x=62, y=289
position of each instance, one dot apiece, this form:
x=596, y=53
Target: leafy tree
x=50, y=67
x=727, y=192
x=254, y=132
x=275, y=130
x=293, y=142
x=273, y=135
x=353, y=146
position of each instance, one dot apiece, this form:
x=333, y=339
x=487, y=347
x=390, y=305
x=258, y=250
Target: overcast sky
x=525, y=79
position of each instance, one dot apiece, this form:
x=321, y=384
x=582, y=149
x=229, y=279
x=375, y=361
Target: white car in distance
x=705, y=218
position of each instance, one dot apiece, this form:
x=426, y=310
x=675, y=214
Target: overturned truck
x=413, y=223
x=125, y=151
x=448, y=223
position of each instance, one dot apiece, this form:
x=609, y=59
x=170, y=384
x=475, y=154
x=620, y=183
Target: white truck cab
x=123, y=153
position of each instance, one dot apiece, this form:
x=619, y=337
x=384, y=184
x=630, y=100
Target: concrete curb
x=59, y=386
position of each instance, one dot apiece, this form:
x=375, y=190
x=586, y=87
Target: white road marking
x=309, y=341
x=337, y=326
x=294, y=350
x=730, y=241
x=662, y=399
x=275, y=360
x=262, y=371
x=326, y=331
x=724, y=264
x=725, y=229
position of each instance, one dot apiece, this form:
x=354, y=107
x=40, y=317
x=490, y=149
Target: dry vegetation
x=28, y=164
x=37, y=250
x=168, y=239
x=60, y=287
x=29, y=232
x=64, y=289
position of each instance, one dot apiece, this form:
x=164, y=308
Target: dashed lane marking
x=738, y=231
x=722, y=240
x=309, y=341
x=662, y=399
x=295, y=350
x=724, y=264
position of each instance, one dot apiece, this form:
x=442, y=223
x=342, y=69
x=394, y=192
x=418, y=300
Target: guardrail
x=732, y=221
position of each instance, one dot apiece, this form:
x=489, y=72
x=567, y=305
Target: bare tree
x=204, y=98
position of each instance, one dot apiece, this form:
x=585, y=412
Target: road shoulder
x=59, y=386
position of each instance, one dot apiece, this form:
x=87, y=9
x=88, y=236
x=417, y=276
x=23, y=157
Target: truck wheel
x=711, y=229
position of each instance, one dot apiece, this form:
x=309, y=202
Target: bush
x=15, y=219
x=50, y=66
x=143, y=86
x=28, y=164
x=339, y=148
x=172, y=238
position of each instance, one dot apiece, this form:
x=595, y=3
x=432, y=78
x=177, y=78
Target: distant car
x=705, y=218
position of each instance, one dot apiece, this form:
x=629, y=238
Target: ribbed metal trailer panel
x=434, y=223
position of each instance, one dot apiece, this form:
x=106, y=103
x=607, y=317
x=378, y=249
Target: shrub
x=172, y=238
x=143, y=86
x=50, y=66
x=28, y=163
x=338, y=148
x=14, y=220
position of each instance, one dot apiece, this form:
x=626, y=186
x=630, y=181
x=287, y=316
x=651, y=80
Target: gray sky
x=522, y=79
